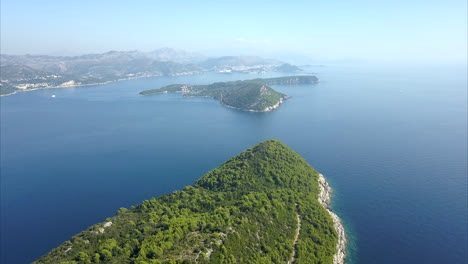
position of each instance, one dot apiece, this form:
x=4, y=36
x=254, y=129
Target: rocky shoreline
x=267, y=109
x=325, y=199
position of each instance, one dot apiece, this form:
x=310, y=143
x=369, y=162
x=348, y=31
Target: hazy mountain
x=6, y=88
x=288, y=68
x=236, y=61
x=20, y=72
x=179, y=56
x=42, y=71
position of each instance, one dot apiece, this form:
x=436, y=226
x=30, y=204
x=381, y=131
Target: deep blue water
x=392, y=141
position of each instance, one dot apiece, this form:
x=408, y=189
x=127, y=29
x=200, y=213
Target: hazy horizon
x=395, y=31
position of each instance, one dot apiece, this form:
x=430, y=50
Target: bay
x=392, y=141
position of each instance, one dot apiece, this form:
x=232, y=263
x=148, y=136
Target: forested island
x=261, y=206
x=250, y=95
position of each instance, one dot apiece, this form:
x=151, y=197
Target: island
x=249, y=95
x=265, y=205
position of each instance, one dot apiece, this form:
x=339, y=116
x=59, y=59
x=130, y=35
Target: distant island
x=32, y=72
x=250, y=95
x=265, y=205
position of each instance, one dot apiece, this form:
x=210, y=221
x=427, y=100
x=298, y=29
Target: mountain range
x=23, y=72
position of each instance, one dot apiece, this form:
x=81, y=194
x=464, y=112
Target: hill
x=288, y=68
x=174, y=55
x=43, y=71
x=235, y=61
x=6, y=88
x=260, y=206
x=249, y=95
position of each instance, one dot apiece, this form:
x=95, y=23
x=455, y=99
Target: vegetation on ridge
x=249, y=95
x=245, y=211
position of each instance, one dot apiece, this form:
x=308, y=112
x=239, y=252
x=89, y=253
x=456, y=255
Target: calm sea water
x=392, y=141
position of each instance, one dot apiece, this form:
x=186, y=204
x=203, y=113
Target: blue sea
x=391, y=140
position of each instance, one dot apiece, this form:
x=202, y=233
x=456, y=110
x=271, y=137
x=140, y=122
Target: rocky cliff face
x=325, y=199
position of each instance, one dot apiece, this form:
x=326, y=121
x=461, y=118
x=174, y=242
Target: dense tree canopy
x=245, y=211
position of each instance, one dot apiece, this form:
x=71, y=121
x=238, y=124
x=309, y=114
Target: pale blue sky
x=398, y=30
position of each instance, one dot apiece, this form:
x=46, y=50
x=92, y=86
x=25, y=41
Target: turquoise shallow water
x=392, y=142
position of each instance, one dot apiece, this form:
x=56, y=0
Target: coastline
x=325, y=199
x=84, y=85
x=57, y=87
x=268, y=109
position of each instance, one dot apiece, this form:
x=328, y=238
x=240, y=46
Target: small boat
x=53, y=96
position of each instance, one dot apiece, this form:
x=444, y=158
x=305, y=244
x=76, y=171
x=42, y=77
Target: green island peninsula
x=265, y=205
x=250, y=95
